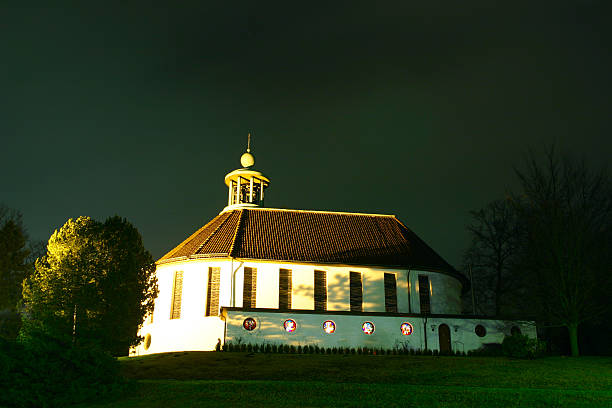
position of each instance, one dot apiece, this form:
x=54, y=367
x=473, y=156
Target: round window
x=249, y=324
x=329, y=327
x=515, y=330
x=406, y=329
x=290, y=325
x=480, y=330
x=367, y=327
x=147, y=341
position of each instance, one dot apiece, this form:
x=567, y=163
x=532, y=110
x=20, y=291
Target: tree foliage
x=95, y=284
x=14, y=254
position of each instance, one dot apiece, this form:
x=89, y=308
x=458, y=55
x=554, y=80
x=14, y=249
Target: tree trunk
x=573, y=337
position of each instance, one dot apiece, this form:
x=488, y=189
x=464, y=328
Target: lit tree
x=95, y=284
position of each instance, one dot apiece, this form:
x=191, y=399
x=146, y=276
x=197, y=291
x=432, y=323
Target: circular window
x=249, y=324
x=367, y=327
x=406, y=329
x=329, y=327
x=290, y=325
x=480, y=330
x=515, y=330
x=147, y=341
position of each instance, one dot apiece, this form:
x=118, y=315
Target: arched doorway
x=445, y=338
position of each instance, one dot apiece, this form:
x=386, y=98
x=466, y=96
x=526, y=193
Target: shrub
x=521, y=346
x=42, y=371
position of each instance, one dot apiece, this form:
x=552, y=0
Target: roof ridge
x=323, y=212
x=222, y=223
x=240, y=216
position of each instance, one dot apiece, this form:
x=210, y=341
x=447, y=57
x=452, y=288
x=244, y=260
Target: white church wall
x=192, y=330
x=401, y=279
x=302, y=286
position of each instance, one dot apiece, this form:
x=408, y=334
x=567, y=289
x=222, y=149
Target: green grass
x=202, y=379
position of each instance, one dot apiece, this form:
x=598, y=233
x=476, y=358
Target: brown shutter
x=390, y=293
x=424, y=294
x=249, y=289
x=212, y=294
x=177, y=293
x=356, y=292
x=284, y=289
x=320, y=290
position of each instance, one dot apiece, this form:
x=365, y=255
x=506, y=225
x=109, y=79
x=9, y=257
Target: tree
x=95, y=284
x=13, y=258
x=567, y=212
x=495, y=233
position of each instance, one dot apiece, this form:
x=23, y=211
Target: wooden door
x=445, y=338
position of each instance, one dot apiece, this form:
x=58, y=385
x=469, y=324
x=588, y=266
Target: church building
x=334, y=279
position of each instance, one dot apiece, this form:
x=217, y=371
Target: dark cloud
x=420, y=110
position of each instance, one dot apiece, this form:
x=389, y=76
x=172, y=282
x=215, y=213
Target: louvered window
x=249, y=289
x=390, y=293
x=320, y=290
x=177, y=294
x=356, y=292
x=212, y=292
x=284, y=289
x=424, y=294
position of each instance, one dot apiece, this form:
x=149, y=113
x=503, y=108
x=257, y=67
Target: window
x=290, y=325
x=424, y=294
x=249, y=288
x=367, y=327
x=249, y=324
x=284, y=289
x=356, y=292
x=480, y=330
x=390, y=293
x=212, y=292
x=329, y=326
x=406, y=328
x=320, y=290
x=177, y=293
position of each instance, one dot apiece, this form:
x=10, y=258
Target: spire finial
x=249, y=143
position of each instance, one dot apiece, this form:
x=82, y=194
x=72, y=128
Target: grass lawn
x=202, y=379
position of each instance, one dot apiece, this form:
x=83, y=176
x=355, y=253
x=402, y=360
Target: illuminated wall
x=195, y=331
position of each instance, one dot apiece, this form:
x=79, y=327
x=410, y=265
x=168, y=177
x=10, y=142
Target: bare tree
x=492, y=254
x=567, y=212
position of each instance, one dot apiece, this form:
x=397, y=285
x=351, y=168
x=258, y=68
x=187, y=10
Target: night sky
x=419, y=109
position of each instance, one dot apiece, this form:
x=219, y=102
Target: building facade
x=333, y=279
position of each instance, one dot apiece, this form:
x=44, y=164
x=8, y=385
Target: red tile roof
x=311, y=236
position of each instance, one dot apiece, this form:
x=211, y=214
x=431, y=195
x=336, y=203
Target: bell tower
x=246, y=185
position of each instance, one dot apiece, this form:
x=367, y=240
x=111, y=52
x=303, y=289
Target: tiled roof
x=311, y=236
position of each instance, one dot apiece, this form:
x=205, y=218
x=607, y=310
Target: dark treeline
x=543, y=253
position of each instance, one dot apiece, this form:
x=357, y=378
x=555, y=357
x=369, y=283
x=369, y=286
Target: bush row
x=308, y=349
x=517, y=346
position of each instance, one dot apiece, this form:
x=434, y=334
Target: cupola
x=246, y=185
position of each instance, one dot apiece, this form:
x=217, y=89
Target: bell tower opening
x=246, y=185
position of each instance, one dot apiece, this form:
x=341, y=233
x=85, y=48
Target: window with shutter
x=284, y=289
x=390, y=293
x=320, y=290
x=356, y=292
x=177, y=293
x=424, y=294
x=249, y=289
x=212, y=292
